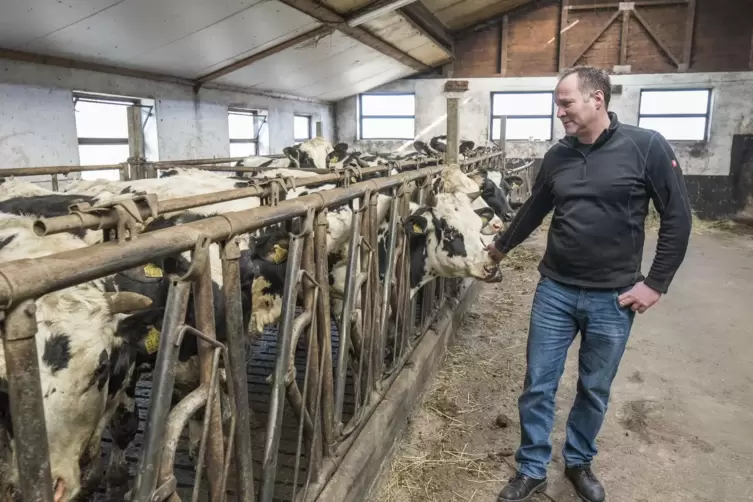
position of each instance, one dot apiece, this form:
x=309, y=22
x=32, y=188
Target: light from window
x=679, y=115
x=242, y=132
x=387, y=116
x=529, y=115
x=102, y=130
x=301, y=128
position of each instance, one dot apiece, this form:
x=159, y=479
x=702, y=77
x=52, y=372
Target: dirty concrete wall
x=732, y=109
x=37, y=125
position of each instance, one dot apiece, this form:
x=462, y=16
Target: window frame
x=253, y=113
x=706, y=116
x=311, y=124
x=361, y=116
x=103, y=99
x=550, y=117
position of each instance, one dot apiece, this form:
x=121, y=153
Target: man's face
x=573, y=109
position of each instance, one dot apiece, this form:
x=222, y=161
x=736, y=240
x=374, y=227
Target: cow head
x=453, y=180
x=445, y=241
x=75, y=341
x=497, y=197
x=312, y=153
x=339, y=152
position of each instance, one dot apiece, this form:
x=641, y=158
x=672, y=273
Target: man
x=599, y=180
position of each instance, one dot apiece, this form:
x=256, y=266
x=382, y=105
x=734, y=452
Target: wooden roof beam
x=329, y=17
x=321, y=31
x=424, y=20
x=497, y=19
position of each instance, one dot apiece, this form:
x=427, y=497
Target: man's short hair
x=591, y=79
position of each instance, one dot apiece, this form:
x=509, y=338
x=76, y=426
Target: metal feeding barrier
x=318, y=396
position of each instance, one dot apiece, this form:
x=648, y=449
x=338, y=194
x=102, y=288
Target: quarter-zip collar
x=614, y=124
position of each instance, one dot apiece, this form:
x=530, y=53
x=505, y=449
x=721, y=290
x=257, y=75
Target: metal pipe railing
x=25, y=279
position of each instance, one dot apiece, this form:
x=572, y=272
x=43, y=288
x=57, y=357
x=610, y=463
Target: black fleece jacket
x=600, y=195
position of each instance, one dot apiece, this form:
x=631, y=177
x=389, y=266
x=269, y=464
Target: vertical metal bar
x=277, y=398
x=55, y=185
x=502, y=132
x=319, y=129
x=162, y=389
x=453, y=134
x=26, y=402
x=325, y=330
x=312, y=361
x=342, y=350
x=204, y=312
x=387, y=284
x=367, y=335
x=236, y=342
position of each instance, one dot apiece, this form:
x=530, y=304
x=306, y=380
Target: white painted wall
x=37, y=124
x=732, y=113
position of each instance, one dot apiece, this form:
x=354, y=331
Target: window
x=102, y=130
x=387, y=116
x=529, y=115
x=243, y=131
x=678, y=114
x=301, y=128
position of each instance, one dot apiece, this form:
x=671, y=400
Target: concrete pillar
x=319, y=129
x=136, y=148
x=454, y=90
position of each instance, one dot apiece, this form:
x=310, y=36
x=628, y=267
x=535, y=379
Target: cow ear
x=291, y=153
x=486, y=214
x=278, y=254
x=341, y=147
x=416, y=225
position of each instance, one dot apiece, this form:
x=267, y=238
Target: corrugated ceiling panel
x=22, y=21
x=331, y=66
x=186, y=38
x=396, y=30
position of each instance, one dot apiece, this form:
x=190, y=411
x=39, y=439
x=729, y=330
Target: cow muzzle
x=492, y=274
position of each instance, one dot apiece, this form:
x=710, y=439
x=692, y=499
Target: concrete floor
x=680, y=421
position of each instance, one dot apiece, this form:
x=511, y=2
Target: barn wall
x=706, y=163
x=722, y=37
x=37, y=125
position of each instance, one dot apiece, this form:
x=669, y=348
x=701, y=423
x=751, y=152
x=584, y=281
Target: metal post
x=26, y=402
x=453, y=132
x=204, y=311
x=324, y=329
x=236, y=343
x=502, y=132
x=319, y=129
x=162, y=389
x=55, y=185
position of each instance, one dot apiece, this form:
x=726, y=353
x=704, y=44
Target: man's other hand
x=640, y=298
x=495, y=253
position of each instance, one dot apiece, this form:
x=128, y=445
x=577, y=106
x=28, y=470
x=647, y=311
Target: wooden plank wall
x=718, y=36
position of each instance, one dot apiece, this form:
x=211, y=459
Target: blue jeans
x=559, y=312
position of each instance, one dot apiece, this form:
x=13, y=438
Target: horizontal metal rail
x=26, y=278
x=106, y=219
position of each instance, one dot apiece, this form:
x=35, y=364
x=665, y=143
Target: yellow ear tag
x=353, y=179
x=417, y=229
x=334, y=160
x=152, y=270
x=280, y=254
x=485, y=221
x=152, y=340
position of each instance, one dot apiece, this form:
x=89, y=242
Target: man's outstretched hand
x=640, y=298
x=495, y=253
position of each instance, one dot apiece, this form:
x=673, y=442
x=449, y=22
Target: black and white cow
x=317, y=153
x=77, y=345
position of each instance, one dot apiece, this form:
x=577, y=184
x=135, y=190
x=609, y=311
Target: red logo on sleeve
x=674, y=163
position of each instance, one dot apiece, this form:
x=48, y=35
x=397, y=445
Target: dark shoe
x=586, y=484
x=520, y=488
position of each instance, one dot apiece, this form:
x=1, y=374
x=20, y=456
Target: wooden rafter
x=689, y=26
x=316, y=32
x=496, y=19
x=561, y=35
x=504, y=43
x=624, y=36
x=615, y=5
x=656, y=38
x=598, y=35
x=329, y=17
x=429, y=25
